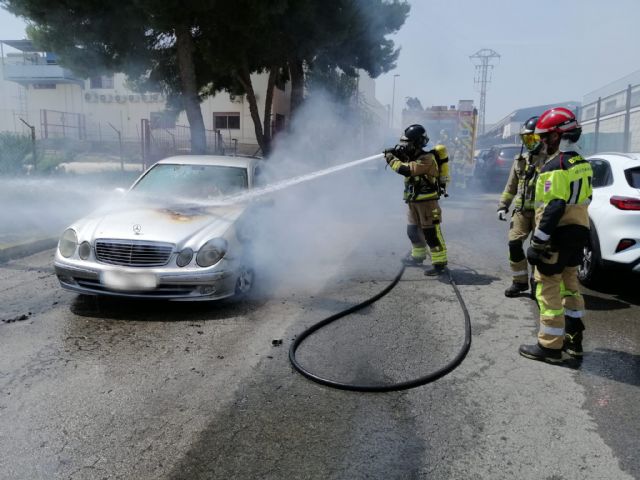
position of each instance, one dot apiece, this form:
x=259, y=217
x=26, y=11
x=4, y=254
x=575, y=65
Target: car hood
x=181, y=225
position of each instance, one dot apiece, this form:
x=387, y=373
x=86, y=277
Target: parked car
x=492, y=169
x=171, y=236
x=614, y=215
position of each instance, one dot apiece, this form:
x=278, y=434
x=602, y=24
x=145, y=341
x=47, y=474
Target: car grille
x=133, y=253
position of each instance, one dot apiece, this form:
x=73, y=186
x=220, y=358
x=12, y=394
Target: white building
x=35, y=89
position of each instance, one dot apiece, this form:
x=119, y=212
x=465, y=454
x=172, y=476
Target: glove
x=502, y=214
x=536, y=252
x=389, y=156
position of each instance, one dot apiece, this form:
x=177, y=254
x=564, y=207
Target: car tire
x=245, y=281
x=590, y=270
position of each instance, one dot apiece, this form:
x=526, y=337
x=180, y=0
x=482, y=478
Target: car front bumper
x=170, y=284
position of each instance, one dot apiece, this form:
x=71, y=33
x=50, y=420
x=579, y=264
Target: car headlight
x=68, y=243
x=84, y=250
x=211, y=252
x=184, y=257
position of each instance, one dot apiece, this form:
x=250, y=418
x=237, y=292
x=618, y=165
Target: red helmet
x=560, y=120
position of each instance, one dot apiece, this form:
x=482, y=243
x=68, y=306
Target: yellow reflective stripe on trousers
x=544, y=310
x=439, y=255
x=419, y=252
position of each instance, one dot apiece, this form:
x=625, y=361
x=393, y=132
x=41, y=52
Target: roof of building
x=521, y=115
x=613, y=87
x=24, y=45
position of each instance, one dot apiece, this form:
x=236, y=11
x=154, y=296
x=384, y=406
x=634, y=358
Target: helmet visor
x=531, y=140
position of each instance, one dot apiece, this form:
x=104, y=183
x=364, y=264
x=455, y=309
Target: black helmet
x=416, y=134
x=530, y=139
x=529, y=126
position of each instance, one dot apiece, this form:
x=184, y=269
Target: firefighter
x=520, y=191
x=422, y=189
x=563, y=194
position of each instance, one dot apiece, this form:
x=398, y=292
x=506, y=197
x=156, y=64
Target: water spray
x=419, y=381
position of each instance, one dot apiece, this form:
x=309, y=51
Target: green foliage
x=15, y=152
x=230, y=39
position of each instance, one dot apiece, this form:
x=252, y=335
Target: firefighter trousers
x=558, y=296
x=424, y=229
x=523, y=222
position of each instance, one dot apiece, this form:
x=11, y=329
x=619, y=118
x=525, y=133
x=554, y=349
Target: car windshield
x=509, y=152
x=198, y=182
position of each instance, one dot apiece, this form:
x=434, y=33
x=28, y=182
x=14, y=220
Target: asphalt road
x=93, y=389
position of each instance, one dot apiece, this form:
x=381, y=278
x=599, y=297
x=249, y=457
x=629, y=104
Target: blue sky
x=551, y=50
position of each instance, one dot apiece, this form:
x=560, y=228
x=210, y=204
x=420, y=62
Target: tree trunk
x=244, y=77
x=185, y=49
x=296, y=73
x=268, y=107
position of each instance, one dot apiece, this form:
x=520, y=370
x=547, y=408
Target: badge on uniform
x=547, y=186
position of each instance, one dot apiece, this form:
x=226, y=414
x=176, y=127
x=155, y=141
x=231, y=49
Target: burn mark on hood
x=184, y=214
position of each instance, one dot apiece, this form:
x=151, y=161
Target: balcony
x=26, y=74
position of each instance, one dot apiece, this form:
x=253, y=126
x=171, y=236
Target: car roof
x=631, y=156
x=217, y=160
x=507, y=145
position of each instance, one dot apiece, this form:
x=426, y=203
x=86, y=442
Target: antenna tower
x=482, y=60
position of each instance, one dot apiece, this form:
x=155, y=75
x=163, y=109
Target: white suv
x=615, y=216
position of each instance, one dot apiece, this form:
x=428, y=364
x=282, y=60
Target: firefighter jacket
x=521, y=185
x=563, y=194
x=421, y=175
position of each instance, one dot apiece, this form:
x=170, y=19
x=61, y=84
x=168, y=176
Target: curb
x=26, y=249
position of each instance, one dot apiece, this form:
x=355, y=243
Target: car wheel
x=245, y=280
x=590, y=270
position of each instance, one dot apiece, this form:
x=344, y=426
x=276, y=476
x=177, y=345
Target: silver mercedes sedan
x=176, y=235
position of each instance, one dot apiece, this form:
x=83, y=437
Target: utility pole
x=482, y=59
x=393, y=100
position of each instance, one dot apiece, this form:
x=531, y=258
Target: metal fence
x=69, y=137
x=612, y=122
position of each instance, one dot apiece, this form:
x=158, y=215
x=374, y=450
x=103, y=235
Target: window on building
x=101, y=81
x=44, y=86
x=226, y=121
x=162, y=120
x=589, y=113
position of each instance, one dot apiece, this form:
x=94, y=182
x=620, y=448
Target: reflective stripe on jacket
x=563, y=194
x=421, y=177
x=521, y=184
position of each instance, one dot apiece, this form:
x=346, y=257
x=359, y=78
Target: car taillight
x=624, y=244
x=500, y=161
x=625, y=203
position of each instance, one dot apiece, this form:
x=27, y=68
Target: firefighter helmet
x=530, y=139
x=529, y=126
x=560, y=120
x=416, y=134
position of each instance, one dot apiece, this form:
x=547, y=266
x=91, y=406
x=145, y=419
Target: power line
x=482, y=59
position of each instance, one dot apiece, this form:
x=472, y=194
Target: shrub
x=15, y=152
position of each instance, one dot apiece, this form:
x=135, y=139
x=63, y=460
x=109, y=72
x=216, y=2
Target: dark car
x=492, y=169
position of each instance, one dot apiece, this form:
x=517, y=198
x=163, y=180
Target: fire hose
x=388, y=387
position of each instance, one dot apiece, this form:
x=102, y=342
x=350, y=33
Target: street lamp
x=393, y=99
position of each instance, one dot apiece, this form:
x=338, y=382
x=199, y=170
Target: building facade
x=611, y=117
x=36, y=91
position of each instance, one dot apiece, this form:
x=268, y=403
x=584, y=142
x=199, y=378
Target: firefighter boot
x=573, y=336
x=543, y=354
x=515, y=289
x=435, y=270
x=411, y=261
